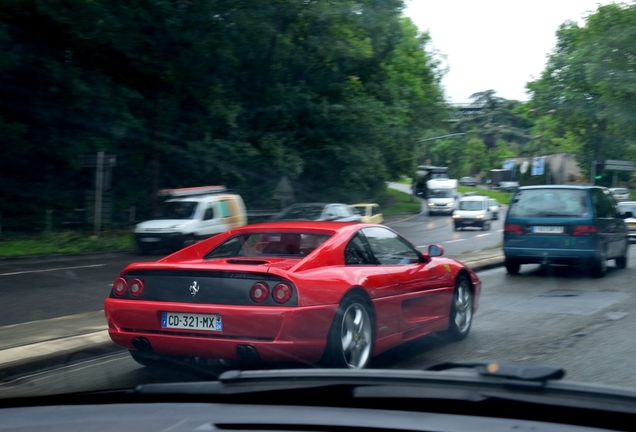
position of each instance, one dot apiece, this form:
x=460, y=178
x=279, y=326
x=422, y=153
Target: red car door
x=421, y=292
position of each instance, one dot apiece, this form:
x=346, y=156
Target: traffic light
x=598, y=169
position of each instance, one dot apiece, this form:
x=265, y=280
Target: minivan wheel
x=599, y=265
x=512, y=266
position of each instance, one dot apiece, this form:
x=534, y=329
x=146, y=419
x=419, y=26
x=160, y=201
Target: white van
x=191, y=214
x=442, y=196
x=473, y=211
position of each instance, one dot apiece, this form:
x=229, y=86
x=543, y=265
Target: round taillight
x=281, y=293
x=120, y=286
x=136, y=287
x=259, y=292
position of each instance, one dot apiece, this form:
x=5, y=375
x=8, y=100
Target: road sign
x=524, y=167
x=284, y=191
x=508, y=164
x=618, y=165
x=538, y=165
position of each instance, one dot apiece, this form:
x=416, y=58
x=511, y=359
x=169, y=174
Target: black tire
x=461, y=312
x=598, y=267
x=350, y=339
x=621, y=262
x=512, y=266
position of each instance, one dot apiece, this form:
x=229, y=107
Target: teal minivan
x=574, y=225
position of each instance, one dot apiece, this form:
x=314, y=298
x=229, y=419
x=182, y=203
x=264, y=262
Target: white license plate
x=149, y=239
x=548, y=229
x=174, y=320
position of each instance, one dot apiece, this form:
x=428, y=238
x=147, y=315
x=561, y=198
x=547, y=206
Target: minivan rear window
x=551, y=203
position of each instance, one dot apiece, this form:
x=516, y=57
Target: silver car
x=319, y=212
x=620, y=194
x=629, y=206
x=494, y=206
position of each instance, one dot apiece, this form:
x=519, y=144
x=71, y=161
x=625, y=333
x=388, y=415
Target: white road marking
x=483, y=235
x=50, y=270
x=454, y=241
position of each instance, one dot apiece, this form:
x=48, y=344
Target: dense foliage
x=585, y=96
x=330, y=93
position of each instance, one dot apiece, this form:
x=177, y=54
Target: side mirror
x=627, y=215
x=435, y=250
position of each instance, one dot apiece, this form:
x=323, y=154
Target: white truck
x=189, y=215
x=442, y=196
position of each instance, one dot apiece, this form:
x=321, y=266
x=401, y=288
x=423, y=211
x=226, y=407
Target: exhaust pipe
x=142, y=344
x=247, y=352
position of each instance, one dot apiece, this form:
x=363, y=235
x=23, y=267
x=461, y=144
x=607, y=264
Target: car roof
x=204, y=198
x=473, y=198
x=574, y=187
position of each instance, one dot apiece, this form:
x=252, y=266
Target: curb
x=63, y=351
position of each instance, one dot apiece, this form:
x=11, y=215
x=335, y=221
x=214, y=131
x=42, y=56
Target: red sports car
x=333, y=293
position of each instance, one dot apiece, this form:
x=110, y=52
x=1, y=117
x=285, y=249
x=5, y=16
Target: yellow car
x=369, y=213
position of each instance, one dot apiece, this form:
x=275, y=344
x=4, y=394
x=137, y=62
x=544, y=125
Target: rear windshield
x=268, y=244
x=550, y=202
x=471, y=205
x=620, y=191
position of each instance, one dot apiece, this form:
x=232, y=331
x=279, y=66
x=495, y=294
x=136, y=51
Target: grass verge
x=393, y=201
x=72, y=242
x=12, y=245
x=502, y=197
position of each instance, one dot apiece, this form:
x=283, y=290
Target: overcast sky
x=494, y=44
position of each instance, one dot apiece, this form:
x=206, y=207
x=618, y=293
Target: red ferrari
x=313, y=292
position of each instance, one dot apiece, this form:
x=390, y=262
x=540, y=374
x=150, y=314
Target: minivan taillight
x=584, y=230
x=513, y=229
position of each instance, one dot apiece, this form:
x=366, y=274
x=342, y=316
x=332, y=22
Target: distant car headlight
x=456, y=216
x=431, y=204
x=479, y=216
x=449, y=204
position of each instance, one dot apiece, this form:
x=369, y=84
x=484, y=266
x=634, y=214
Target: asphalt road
x=424, y=230
x=561, y=317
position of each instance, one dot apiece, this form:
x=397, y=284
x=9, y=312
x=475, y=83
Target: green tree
x=477, y=153
x=589, y=81
x=331, y=94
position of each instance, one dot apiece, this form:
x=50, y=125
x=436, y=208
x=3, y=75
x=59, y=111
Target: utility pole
x=99, y=184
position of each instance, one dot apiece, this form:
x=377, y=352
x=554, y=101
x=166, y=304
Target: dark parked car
x=319, y=212
x=565, y=225
x=468, y=181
